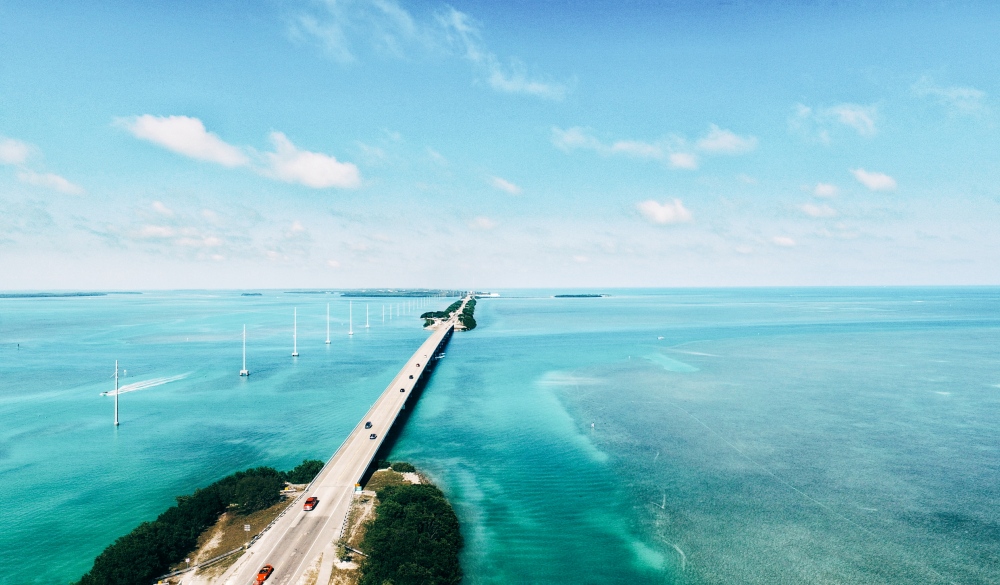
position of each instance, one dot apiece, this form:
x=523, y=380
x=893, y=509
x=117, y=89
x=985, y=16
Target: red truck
x=311, y=502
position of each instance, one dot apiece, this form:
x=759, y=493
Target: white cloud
x=49, y=181
x=343, y=28
x=505, y=185
x=482, y=223
x=162, y=209
x=963, y=100
x=637, y=149
x=14, y=152
x=574, y=138
x=874, y=181
x=186, y=136
x=783, y=241
x=683, y=160
x=670, y=151
x=719, y=141
x=517, y=81
x=437, y=157
x=332, y=264
x=668, y=212
x=861, y=118
x=312, y=169
x=580, y=259
x=825, y=190
x=818, y=210
x=464, y=34
x=817, y=123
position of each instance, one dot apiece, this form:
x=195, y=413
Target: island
x=206, y=526
x=581, y=296
x=401, y=530
x=466, y=321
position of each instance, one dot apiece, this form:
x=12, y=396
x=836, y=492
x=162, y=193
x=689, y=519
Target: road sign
x=246, y=528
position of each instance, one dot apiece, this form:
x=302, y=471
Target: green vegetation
x=413, y=540
x=304, y=472
x=466, y=317
x=149, y=550
x=403, y=467
x=445, y=314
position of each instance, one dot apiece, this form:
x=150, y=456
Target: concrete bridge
x=295, y=541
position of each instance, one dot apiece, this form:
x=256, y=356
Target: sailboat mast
x=295, y=332
x=116, y=393
x=244, y=371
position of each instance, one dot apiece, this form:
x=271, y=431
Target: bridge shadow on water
x=426, y=371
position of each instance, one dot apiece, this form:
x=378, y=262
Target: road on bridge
x=295, y=541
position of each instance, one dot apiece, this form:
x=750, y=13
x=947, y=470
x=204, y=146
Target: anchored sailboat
x=366, y=316
x=116, y=393
x=295, y=332
x=244, y=371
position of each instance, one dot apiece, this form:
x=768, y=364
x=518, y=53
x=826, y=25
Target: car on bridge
x=310, y=504
x=264, y=573
x=372, y=436
x=368, y=425
x=402, y=389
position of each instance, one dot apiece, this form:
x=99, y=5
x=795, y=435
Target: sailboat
x=244, y=371
x=328, y=323
x=350, y=313
x=116, y=393
x=295, y=332
x=366, y=316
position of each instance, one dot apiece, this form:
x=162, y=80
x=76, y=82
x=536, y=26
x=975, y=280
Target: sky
x=480, y=144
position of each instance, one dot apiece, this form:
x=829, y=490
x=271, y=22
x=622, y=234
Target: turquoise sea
x=763, y=436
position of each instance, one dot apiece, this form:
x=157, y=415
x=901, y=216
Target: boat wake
x=146, y=384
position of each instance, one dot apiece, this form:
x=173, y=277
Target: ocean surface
x=763, y=436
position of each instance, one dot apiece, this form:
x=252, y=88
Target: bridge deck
x=297, y=538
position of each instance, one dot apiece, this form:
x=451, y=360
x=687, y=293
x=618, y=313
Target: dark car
x=368, y=425
x=372, y=436
x=402, y=389
x=411, y=376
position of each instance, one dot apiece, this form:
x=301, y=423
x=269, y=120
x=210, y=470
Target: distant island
x=583, y=296
x=419, y=292
x=252, y=295
x=51, y=295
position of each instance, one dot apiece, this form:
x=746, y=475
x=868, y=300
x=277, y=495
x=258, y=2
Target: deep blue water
x=739, y=435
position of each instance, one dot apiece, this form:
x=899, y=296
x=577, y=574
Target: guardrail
x=249, y=543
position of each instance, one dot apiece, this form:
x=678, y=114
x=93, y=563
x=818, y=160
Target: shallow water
x=770, y=436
